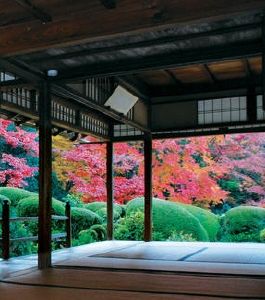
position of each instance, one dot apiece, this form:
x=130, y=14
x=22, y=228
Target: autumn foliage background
x=214, y=172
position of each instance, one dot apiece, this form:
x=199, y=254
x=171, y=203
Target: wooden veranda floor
x=138, y=270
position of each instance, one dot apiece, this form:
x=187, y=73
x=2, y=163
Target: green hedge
x=15, y=194
x=96, y=233
x=169, y=217
x=243, y=224
x=29, y=207
x=101, y=209
x=83, y=219
x=208, y=220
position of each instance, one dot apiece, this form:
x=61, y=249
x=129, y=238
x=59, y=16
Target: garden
x=204, y=188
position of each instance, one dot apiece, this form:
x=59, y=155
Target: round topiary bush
x=101, y=209
x=209, y=221
x=15, y=194
x=82, y=219
x=243, y=224
x=169, y=217
x=29, y=207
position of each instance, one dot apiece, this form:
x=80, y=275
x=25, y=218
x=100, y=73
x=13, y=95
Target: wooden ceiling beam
x=72, y=29
x=158, y=62
x=109, y=4
x=34, y=10
x=147, y=43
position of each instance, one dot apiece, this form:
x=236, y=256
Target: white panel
x=121, y=100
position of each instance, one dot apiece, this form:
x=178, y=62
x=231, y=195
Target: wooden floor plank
x=211, y=285
x=18, y=292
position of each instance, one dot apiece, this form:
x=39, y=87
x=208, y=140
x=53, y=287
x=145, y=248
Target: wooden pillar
x=45, y=177
x=148, y=189
x=251, y=104
x=5, y=230
x=110, y=190
x=68, y=225
x=263, y=58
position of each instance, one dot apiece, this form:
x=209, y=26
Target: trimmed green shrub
x=208, y=220
x=103, y=213
x=15, y=194
x=169, y=217
x=96, y=233
x=86, y=237
x=243, y=224
x=262, y=235
x=82, y=219
x=101, y=209
x=29, y=207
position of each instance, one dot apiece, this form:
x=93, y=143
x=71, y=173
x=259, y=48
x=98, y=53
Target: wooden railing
x=6, y=220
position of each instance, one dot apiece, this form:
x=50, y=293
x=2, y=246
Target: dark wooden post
x=45, y=178
x=251, y=104
x=110, y=190
x=33, y=100
x=263, y=58
x=68, y=225
x=5, y=229
x=148, y=189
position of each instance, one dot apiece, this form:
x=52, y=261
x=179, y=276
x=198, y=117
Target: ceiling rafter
x=34, y=10
x=173, y=77
x=209, y=73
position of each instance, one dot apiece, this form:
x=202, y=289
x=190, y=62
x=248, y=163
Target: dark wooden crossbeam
x=34, y=10
x=109, y=4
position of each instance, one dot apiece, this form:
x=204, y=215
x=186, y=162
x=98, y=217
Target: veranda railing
x=6, y=220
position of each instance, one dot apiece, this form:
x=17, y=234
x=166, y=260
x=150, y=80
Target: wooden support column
x=45, y=177
x=110, y=190
x=148, y=189
x=251, y=104
x=263, y=58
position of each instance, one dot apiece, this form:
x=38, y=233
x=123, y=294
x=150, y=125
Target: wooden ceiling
x=31, y=25
x=204, y=73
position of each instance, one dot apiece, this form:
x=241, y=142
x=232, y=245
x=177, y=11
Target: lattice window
x=63, y=113
x=99, y=89
x=222, y=110
x=260, y=111
x=93, y=125
x=17, y=96
x=126, y=130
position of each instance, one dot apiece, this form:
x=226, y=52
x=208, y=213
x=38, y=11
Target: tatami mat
x=230, y=255
x=148, y=251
